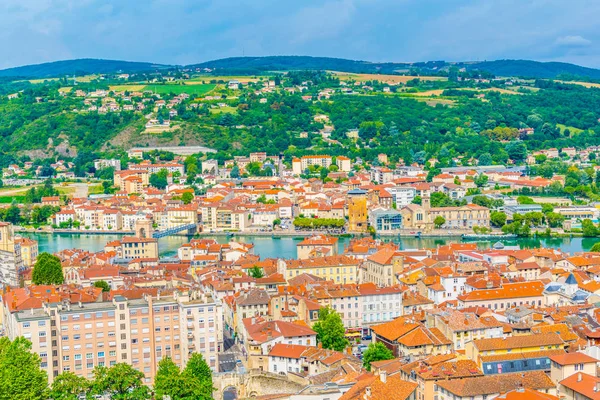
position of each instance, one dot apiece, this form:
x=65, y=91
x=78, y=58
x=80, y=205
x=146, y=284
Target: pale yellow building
x=29, y=250
x=339, y=269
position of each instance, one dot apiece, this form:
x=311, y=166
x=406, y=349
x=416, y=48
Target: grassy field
x=131, y=88
x=225, y=78
x=36, y=81
x=572, y=129
x=10, y=199
x=66, y=89
x=197, y=89
x=86, y=78
x=95, y=189
x=225, y=109
x=65, y=189
x=343, y=76
x=427, y=93
x=586, y=84
x=500, y=90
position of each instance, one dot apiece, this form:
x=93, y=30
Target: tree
x=103, y=285
x=21, y=377
x=119, y=382
x=517, y=151
x=330, y=330
x=481, y=180
x=596, y=248
x=107, y=187
x=47, y=270
x=376, y=352
x=555, y=220
x=198, y=374
x=276, y=222
x=256, y=272
x=235, y=172
x=187, y=197
x=498, y=218
x=485, y=159
x=68, y=386
x=439, y=221
x=525, y=200
x=13, y=214
x=168, y=380
x=159, y=179
x=588, y=228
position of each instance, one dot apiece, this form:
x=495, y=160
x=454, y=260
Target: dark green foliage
x=47, y=270
x=83, y=66
x=159, y=179
x=103, y=285
x=498, y=218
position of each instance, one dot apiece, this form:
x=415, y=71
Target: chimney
x=383, y=376
x=579, y=377
x=597, y=387
x=368, y=392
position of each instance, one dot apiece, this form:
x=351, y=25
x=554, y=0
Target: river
x=285, y=247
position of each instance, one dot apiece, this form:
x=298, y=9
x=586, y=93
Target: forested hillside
x=78, y=67
x=258, y=65
x=409, y=121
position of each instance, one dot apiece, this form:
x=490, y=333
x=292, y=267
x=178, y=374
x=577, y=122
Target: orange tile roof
x=516, y=342
x=573, y=358
x=394, y=388
x=287, y=350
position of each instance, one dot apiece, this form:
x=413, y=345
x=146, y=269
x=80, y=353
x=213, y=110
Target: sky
x=192, y=31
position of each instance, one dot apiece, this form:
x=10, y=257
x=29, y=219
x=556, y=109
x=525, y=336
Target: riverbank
x=408, y=234
x=267, y=246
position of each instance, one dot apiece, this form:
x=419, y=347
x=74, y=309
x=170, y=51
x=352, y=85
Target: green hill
x=533, y=69
x=285, y=63
x=257, y=65
x=83, y=66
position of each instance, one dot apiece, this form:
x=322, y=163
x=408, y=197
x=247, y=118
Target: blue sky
x=184, y=32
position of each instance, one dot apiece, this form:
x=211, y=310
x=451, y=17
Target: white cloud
x=572, y=41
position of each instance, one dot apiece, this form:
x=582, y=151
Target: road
x=230, y=355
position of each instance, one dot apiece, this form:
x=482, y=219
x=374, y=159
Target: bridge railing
x=172, y=231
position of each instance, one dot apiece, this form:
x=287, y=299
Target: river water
x=285, y=247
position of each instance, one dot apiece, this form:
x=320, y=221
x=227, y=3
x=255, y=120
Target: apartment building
x=382, y=267
x=223, y=218
x=154, y=168
x=402, y=195
x=300, y=164
x=339, y=269
x=29, y=250
x=76, y=330
x=130, y=247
